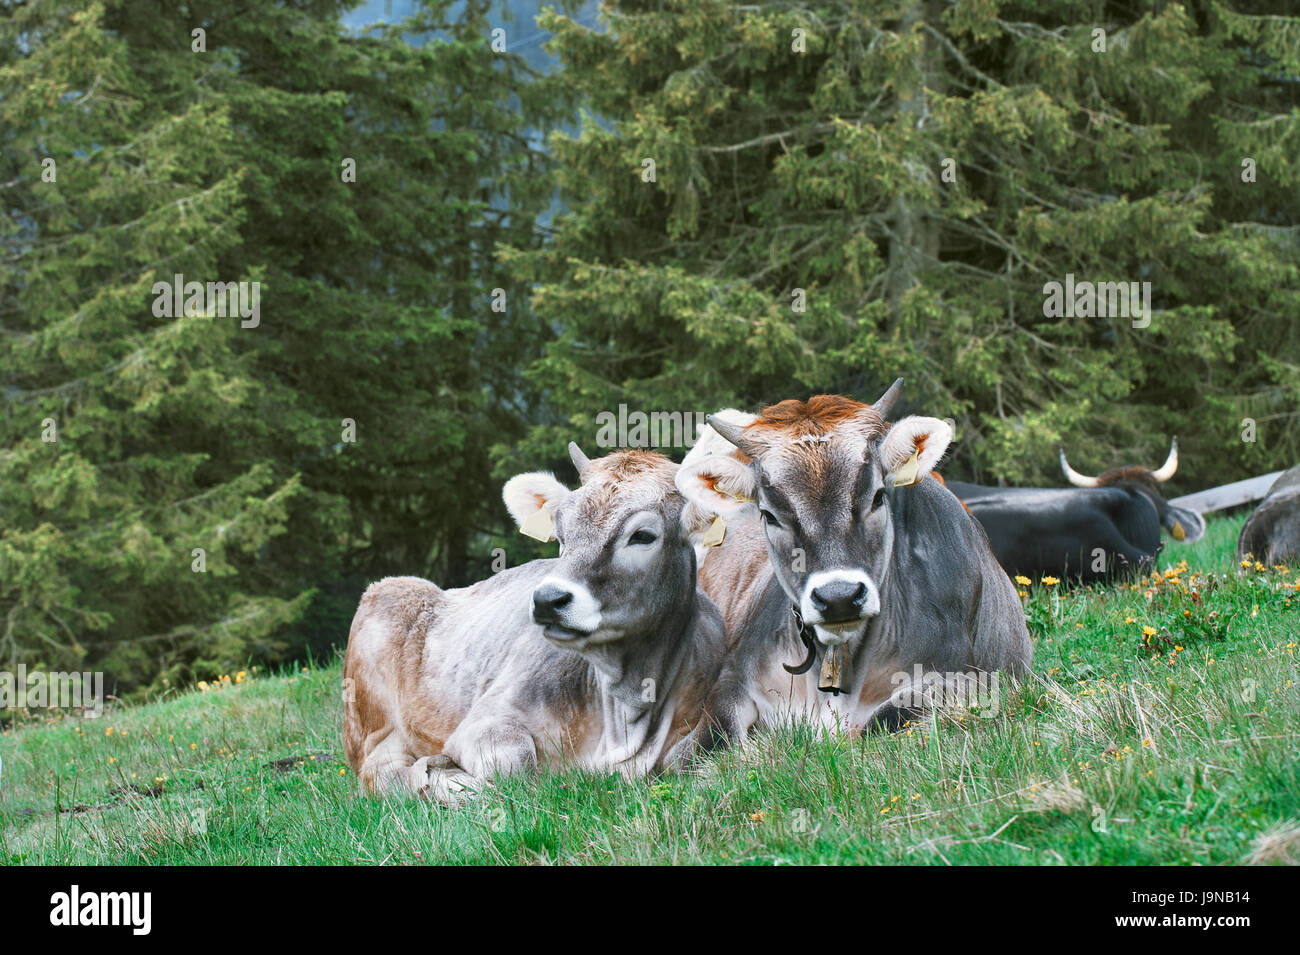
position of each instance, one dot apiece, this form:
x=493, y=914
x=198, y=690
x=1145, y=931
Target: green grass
x=1119, y=749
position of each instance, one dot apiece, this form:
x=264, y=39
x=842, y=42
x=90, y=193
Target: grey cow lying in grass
x=600, y=658
x=841, y=550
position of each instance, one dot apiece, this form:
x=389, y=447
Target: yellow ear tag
x=907, y=473
x=539, y=525
x=1178, y=532
x=716, y=532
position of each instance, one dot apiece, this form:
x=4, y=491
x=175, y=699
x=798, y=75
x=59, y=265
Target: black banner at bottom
x=134, y=905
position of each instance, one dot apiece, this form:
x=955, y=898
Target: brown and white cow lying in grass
x=839, y=545
x=600, y=658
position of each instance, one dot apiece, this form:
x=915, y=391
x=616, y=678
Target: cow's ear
x=1184, y=524
x=913, y=447
x=532, y=499
x=715, y=478
x=717, y=485
x=708, y=442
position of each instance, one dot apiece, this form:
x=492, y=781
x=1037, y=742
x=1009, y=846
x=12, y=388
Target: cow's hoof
x=446, y=786
x=452, y=788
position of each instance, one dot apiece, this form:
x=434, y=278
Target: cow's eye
x=879, y=499
x=769, y=517
x=642, y=537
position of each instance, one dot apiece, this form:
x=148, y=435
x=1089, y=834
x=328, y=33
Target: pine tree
x=122, y=528
x=364, y=182
x=780, y=200
x=382, y=172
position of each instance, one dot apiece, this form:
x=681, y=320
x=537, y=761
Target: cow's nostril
x=547, y=600
x=839, y=600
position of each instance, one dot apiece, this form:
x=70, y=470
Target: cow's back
x=955, y=607
x=1041, y=531
x=1272, y=532
x=386, y=640
x=420, y=657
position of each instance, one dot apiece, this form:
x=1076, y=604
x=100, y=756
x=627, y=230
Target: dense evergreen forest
x=461, y=256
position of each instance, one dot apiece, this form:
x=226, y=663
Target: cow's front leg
x=502, y=746
x=890, y=717
x=697, y=742
x=905, y=705
x=728, y=717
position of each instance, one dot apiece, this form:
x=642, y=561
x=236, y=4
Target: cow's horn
x=580, y=460
x=1166, y=470
x=885, y=405
x=1073, y=476
x=732, y=432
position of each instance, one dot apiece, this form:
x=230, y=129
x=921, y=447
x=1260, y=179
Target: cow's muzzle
x=839, y=604
x=564, y=612
x=839, y=601
x=548, y=601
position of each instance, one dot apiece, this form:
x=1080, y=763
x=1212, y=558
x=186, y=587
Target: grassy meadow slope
x=1175, y=744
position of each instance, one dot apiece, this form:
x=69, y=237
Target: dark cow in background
x=1272, y=534
x=1102, y=527
x=841, y=551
